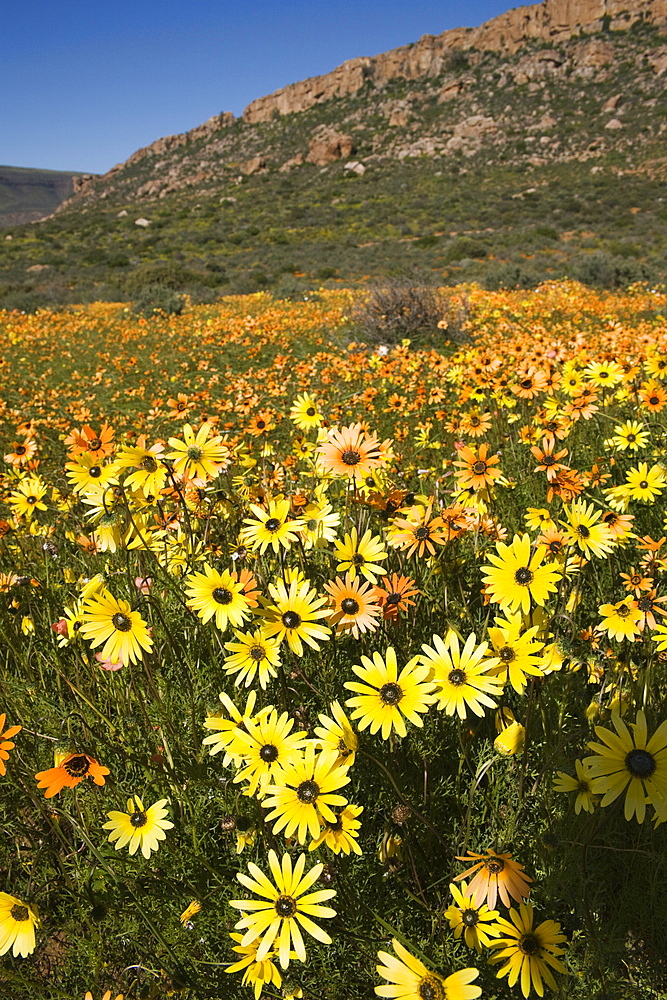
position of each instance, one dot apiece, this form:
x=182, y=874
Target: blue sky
x=85, y=82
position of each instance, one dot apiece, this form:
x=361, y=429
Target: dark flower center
x=310, y=412
x=555, y=546
x=261, y=424
x=548, y=460
x=527, y=383
x=95, y=444
x=643, y=485
x=272, y=524
x=256, y=653
x=19, y=913
x=645, y=603
x=631, y=437
x=351, y=457
x=529, y=944
x=640, y=763
x=149, y=464
x=312, y=524
x=291, y=619
x=431, y=989
x=138, y=818
x=308, y=791
x=358, y=559
x=95, y=471
x=479, y=468
x=31, y=499
x=121, y=622
x=507, y=654
x=583, y=531
x=470, y=917
x=523, y=576
x=269, y=753
x=622, y=611
x=392, y=599
x=494, y=865
x=222, y=596
x=20, y=450
x=422, y=533
x=194, y=453
x=285, y=906
x=349, y=606
x=457, y=677
x=77, y=767
x=653, y=400
x=391, y=693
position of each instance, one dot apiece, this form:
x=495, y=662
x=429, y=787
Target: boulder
x=327, y=146
x=253, y=165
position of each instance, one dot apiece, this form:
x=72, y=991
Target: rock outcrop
x=326, y=146
x=552, y=21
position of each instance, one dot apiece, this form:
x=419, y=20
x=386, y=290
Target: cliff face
x=551, y=21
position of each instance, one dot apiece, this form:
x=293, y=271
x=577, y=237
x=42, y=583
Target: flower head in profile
x=70, y=769
x=257, y=973
x=385, y=698
x=341, y=833
x=337, y=734
x=529, y=953
x=284, y=909
x=495, y=875
x=409, y=979
x=583, y=785
x=17, y=926
x=138, y=827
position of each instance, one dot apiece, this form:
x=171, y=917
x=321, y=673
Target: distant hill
x=27, y=195
x=531, y=147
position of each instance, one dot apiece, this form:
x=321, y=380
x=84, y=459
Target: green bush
x=155, y=300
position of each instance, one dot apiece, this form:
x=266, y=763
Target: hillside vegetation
x=506, y=169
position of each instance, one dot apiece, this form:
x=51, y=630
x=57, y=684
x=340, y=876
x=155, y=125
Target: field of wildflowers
x=334, y=671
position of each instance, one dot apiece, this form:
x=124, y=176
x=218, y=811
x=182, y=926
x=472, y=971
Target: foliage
x=242, y=374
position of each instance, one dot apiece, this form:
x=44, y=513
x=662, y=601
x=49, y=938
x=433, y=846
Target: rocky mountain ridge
x=515, y=160
x=552, y=22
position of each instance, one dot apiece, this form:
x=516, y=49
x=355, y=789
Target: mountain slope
x=478, y=154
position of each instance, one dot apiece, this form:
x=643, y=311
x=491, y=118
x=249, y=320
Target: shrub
x=155, y=300
x=401, y=309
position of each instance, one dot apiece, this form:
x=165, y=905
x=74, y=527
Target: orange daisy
x=354, y=607
x=477, y=469
x=497, y=875
x=350, y=451
x=394, y=595
x=6, y=743
x=70, y=769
